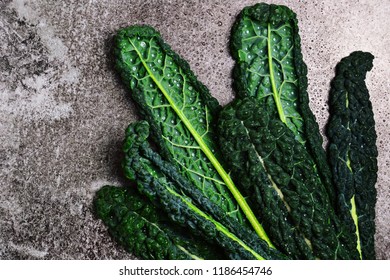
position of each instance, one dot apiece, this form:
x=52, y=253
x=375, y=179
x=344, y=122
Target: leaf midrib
x=275, y=92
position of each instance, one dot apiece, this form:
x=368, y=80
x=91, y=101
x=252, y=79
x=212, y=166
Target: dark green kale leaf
x=144, y=231
x=265, y=44
x=352, y=149
x=281, y=181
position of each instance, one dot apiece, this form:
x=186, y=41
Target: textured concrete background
x=63, y=111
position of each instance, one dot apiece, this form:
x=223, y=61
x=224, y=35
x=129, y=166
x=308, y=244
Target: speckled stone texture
x=63, y=110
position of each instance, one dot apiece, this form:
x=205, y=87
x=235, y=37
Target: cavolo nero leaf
x=281, y=181
x=142, y=230
x=174, y=194
x=352, y=149
x=269, y=67
x=180, y=111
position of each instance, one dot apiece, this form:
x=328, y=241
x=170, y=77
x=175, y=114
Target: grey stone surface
x=63, y=110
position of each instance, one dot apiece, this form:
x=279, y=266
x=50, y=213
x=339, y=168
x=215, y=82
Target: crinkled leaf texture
x=352, y=149
x=142, y=230
x=279, y=177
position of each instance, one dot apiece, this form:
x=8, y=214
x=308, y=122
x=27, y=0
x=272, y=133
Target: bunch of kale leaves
x=250, y=180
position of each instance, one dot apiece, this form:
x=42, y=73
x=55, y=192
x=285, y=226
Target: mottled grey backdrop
x=63, y=111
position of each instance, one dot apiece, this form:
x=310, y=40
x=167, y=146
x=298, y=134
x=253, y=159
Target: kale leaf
x=139, y=226
x=179, y=109
x=266, y=46
x=352, y=149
